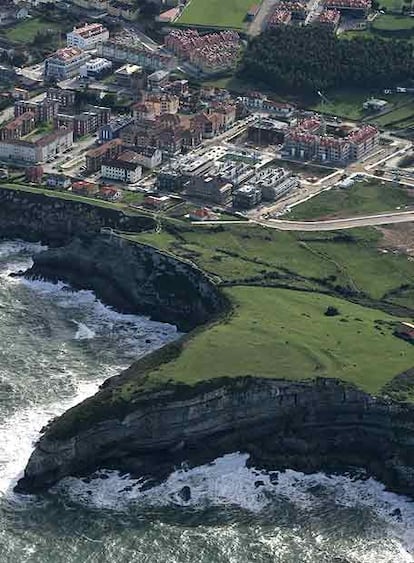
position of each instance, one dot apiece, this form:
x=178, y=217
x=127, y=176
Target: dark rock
x=185, y=493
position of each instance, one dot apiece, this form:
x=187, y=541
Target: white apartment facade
x=88, y=36
x=120, y=171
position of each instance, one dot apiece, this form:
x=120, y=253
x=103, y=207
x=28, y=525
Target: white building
x=65, y=63
x=125, y=168
x=148, y=157
x=87, y=36
x=95, y=67
x=38, y=151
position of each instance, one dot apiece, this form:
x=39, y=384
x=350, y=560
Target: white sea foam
x=92, y=319
x=229, y=482
x=83, y=332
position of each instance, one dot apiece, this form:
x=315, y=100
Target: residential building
x=158, y=79
x=65, y=63
x=18, y=127
x=267, y=131
x=44, y=110
x=109, y=193
x=155, y=105
x=210, y=188
x=308, y=144
x=124, y=168
x=96, y=68
x=113, y=128
x=38, y=151
x=136, y=54
x=148, y=157
x=87, y=36
x=279, y=16
x=58, y=181
x=95, y=157
x=157, y=202
x=247, y=197
x=357, y=7
x=87, y=189
x=131, y=76
x=210, y=53
x=66, y=98
x=84, y=123
x=257, y=102
x=329, y=19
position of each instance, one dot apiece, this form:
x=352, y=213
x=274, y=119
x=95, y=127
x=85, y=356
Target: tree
x=331, y=311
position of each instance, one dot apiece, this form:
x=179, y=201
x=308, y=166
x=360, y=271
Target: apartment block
x=65, y=63
x=87, y=36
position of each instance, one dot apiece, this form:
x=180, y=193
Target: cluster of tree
x=305, y=60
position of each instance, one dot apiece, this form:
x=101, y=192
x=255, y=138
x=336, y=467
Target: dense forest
x=304, y=60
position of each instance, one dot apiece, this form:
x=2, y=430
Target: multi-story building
x=212, y=52
x=155, y=105
x=124, y=168
x=136, y=54
x=95, y=157
x=38, y=151
x=84, y=123
x=96, y=68
x=257, y=102
x=210, y=188
x=148, y=157
x=358, y=7
x=247, y=197
x=65, y=63
x=87, y=36
x=329, y=19
x=313, y=145
x=44, y=110
x=113, y=128
x=18, y=127
x=131, y=76
x=66, y=98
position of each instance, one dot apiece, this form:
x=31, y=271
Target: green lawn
x=341, y=263
x=285, y=334
x=363, y=198
x=26, y=31
x=394, y=5
x=387, y=22
x=343, y=104
x=216, y=13
x=401, y=114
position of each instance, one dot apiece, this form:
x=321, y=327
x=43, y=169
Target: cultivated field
x=216, y=13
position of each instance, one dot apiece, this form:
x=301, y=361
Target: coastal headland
x=289, y=353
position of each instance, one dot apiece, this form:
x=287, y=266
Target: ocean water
x=56, y=347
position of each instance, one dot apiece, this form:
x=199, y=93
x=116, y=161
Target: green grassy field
x=395, y=5
x=285, y=334
x=347, y=263
x=26, y=31
x=399, y=115
x=388, y=22
x=216, y=13
x=363, y=198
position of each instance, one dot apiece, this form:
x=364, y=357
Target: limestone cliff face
x=303, y=425
x=133, y=278
x=55, y=221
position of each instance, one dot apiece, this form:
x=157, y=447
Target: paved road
x=338, y=224
x=329, y=225
x=258, y=24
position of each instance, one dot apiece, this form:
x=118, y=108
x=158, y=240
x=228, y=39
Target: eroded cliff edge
x=303, y=425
